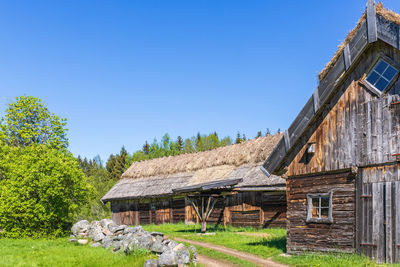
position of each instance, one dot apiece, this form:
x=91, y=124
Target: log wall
x=258, y=209
x=336, y=236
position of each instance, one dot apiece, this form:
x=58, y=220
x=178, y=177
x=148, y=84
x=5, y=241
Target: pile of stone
x=121, y=238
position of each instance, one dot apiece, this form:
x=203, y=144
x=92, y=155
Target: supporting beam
x=203, y=212
x=347, y=57
x=371, y=22
x=287, y=140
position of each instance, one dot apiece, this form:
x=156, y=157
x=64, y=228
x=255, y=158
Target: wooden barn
x=161, y=190
x=340, y=156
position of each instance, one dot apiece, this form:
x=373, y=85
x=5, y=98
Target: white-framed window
x=381, y=75
x=319, y=207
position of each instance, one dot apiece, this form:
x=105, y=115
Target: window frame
x=371, y=68
x=310, y=218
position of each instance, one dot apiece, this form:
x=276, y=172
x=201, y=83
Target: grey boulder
x=79, y=226
x=167, y=258
x=182, y=255
x=150, y=263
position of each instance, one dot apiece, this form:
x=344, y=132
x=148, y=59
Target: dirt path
x=210, y=262
x=239, y=254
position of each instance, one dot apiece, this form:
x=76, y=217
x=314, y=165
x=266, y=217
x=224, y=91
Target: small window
x=319, y=208
x=381, y=75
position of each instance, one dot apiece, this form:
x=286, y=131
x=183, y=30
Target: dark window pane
x=315, y=213
x=373, y=77
x=324, y=212
x=380, y=68
x=325, y=202
x=315, y=201
x=381, y=84
x=390, y=73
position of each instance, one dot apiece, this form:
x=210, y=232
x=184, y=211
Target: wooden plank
x=347, y=57
x=359, y=206
x=301, y=121
x=359, y=42
x=287, y=140
x=325, y=87
x=316, y=100
x=397, y=222
x=371, y=22
x=378, y=223
x=275, y=157
x=388, y=222
x=388, y=31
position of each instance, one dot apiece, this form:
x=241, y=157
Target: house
x=226, y=182
x=340, y=156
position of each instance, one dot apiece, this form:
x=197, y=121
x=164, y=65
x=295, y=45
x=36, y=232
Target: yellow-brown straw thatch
x=380, y=10
x=250, y=152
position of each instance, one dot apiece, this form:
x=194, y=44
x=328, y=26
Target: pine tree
x=244, y=138
x=179, y=142
x=268, y=133
x=199, y=143
x=279, y=130
x=146, y=148
x=259, y=134
x=238, y=139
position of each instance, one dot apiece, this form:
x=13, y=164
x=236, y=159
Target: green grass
x=271, y=246
x=329, y=260
x=59, y=252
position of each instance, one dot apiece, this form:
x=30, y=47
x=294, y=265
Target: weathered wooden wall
x=337, y=236
x=356, y=128
x=378, y=218
x=258, y=209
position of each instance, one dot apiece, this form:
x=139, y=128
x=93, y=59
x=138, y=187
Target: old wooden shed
x=157, y=190
x=341, y=154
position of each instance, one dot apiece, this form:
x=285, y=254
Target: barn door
x=380, y=221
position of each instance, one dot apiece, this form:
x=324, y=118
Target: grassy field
x=59, y=252
x=265, y=243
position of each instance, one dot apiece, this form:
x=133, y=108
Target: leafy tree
x=28, y=121
x=41, y=190
x=188, y=147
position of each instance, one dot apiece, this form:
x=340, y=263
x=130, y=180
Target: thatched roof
x=157, y=177
x=380, y=10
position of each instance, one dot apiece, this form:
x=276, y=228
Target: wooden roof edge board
x=275, y=160
x=105, y=200
x=261, y=189
x=208, y=186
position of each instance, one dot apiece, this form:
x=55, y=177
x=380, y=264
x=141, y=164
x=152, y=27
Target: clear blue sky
x=123, y=72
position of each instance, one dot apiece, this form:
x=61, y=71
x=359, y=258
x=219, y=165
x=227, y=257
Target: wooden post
x=204, y=212
x=371, y=22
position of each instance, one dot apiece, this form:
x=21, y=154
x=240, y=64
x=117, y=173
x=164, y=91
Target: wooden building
x=340, y=156
x=152, y=191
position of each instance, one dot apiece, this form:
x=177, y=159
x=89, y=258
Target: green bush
x=41, y=191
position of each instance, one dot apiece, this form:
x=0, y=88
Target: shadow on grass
x=276, y=242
